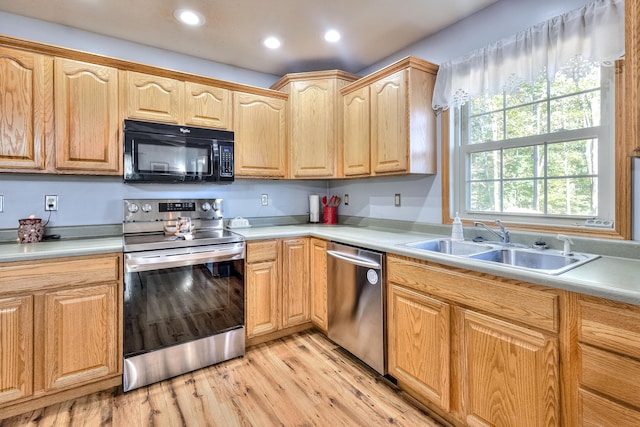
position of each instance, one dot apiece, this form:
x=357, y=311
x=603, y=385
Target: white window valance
x=594, y=32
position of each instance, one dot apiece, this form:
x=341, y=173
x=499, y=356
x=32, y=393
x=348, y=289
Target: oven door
x=176, y=296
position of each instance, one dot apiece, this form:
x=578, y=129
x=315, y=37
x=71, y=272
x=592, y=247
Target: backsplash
x=98, y=200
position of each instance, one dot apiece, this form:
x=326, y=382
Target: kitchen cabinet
x=164, y=99
x=207, y=106
x=87, y=119
x=419, y=331
x=61, y=330
x=497, y=339
x=608, y=362
x=295, y=282
x=509, y=373
x=259, y=123
x=314, y=118
x=153, y=98
x=318, y=281
x=402, y=123
x=16, y=341
x=357, y=133
x=26, y=109
x=262, y=276
x=277, y=288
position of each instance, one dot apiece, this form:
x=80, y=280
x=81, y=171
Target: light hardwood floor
x=301, y=380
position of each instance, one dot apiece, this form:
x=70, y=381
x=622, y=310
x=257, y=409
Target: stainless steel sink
x=451, y=247
x=547, y=261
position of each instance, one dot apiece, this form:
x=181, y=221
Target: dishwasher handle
x=362, y=262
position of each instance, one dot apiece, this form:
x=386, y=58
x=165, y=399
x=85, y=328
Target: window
x=541, y=153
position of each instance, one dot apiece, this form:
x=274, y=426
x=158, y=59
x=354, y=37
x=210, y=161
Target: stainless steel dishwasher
x=355, y=302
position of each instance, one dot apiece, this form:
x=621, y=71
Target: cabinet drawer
x=43, y=274
x=609, y=325
x=262, y=251
x=611, y=374
x=598, y=411
x=501, y=297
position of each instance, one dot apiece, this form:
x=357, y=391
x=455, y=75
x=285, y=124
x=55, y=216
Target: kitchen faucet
x=503, y=234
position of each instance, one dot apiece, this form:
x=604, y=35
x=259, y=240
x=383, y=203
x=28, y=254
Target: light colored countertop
x=608, y=277
x=59, y=248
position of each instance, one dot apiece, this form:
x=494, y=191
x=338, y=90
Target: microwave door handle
x=157, y=262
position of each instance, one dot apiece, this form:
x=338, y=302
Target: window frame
x=621, y=176
x=604, y=133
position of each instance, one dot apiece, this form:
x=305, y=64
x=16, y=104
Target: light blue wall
x=98, y=200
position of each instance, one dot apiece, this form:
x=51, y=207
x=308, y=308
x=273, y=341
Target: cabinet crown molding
x=408, y=62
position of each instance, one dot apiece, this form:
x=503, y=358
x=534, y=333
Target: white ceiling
x=234, y=29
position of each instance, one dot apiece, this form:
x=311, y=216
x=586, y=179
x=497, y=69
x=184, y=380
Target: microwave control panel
x=226, y=161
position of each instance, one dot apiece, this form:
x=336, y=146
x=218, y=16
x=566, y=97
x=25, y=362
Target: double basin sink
x=548, y=261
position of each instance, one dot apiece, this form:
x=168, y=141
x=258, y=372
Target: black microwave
x=158, y=152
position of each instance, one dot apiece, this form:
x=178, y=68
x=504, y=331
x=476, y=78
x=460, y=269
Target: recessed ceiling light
x=189, y=17
x=332, y=36
x=272, y=42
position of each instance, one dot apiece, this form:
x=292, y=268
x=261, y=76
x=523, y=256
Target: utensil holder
x=330, y=215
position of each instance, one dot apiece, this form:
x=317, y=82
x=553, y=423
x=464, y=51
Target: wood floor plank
x=300, y=380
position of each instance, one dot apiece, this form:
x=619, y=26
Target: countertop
x=609, y=277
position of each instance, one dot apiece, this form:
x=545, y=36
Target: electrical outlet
x=50, y=203
x=397, y=200
x=346, y=200
x=1, y=203
x=264, y=199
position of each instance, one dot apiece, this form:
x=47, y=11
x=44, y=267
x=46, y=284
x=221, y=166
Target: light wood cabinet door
x=80, y=335
x=318, y=278
x=16, y=348
x=87, y=119
x=261, y=287
x=313, y=129
x=207, y=106
x=357, y=133
x=260, y=136
x=26, y=105
x=509, y=375
x=295, y=282
x=389, y=123
x=419, y=347
x=154, y=98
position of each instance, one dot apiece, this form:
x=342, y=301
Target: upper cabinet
x=314, y=116
x=260, y=135
x=402, y=123
x=168, y=100
x=26, y=108
x=154, y=98
x=87, y=119
x=207, y=106
x=357, y=133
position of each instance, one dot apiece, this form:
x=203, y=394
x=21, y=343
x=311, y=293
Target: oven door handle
x=145, y=262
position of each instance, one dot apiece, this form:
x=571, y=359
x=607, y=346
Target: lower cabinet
x=608, y=363
x=479, y=350
x=276, y=287
x=419, y=346
x=16, y=342
x=508, y=373
x=60, y=330
x=318, y=278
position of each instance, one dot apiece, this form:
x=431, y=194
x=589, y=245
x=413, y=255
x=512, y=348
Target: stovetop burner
x=146, y=221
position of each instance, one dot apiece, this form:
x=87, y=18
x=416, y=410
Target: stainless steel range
x=183, y=289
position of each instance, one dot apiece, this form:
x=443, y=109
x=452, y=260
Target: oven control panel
x=157, y=210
